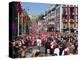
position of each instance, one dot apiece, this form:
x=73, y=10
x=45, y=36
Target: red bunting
x=68, y=14
x=74, y=16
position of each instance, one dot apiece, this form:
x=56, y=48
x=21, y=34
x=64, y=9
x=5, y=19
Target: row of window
x=71, y=16
x=71, y=11
x=71, y=25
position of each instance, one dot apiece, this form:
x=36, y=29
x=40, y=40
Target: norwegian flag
x=19, y=9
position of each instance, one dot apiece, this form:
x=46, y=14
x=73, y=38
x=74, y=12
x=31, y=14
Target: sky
x=35, y=8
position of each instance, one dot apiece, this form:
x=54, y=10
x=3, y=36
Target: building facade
x=64, y=17
x=50, y=16
x=34, y=23
x=70, y=18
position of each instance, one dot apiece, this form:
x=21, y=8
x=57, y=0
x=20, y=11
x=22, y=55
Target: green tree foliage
x=41, y=17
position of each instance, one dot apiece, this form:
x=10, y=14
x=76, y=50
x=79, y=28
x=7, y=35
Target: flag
x=19, y=9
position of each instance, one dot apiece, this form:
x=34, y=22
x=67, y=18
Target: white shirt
x=56, y=51
x=38, y=42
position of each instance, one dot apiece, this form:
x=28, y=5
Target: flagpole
x=18, y=24
x=19, y=10
x=22, y=22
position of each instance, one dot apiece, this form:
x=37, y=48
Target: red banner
x=68, y=15
x=24, y=19
x=74, y=16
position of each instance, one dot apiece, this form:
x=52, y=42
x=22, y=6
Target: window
x=71, y=17
x=71, y=10
x=72, y=25
x=64, y=11
x=64, y=25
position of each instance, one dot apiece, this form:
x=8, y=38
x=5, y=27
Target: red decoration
x=19, y=10
x=24, y=19
x=68, y=14
x=74, y=16
x=19, y=4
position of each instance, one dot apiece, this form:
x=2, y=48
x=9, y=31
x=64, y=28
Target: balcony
x=71, y=20
x=64, y=20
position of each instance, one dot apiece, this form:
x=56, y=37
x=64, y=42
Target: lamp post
x=18, y=24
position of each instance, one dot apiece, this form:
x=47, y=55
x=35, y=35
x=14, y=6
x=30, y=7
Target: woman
x=23, y=51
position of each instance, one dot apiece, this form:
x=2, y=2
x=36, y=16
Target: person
x=14, y=49
x=23, y=51
x=47, y=45
x=65, y=51
x=26, y=42
x=38, y=40
x=53, y=46
x=62, y=46
x=69, y=49
x=35, y=52
x=16, y=45
x=56, y=50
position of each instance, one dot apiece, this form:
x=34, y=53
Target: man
x=56, y=50
x=23, y=51
x=38, y=40
x=47, y=45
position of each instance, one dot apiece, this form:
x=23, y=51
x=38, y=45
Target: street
x=43, y=29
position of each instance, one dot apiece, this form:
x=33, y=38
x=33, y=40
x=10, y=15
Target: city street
x=40, y=30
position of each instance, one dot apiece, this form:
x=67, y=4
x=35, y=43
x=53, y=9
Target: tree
x=41, y=17
x=27, y=24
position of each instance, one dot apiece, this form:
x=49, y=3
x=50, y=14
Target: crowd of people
x=54, y=44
